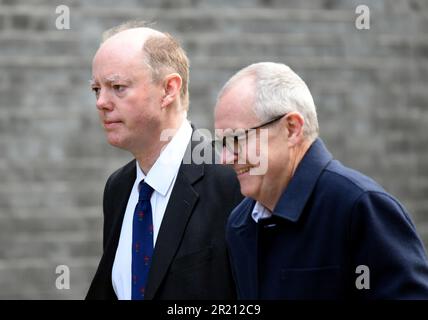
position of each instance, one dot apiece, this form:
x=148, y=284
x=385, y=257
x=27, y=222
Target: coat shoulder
x=126, y=169
x=338, y=178
x=365, y=197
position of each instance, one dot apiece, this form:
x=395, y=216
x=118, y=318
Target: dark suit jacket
x=190, y=258
x=329, y=220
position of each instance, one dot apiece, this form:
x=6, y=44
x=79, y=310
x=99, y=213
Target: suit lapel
x=179, y=210
x=118, y=200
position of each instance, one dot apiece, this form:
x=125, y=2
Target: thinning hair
x=278, y=90
x=162, y=54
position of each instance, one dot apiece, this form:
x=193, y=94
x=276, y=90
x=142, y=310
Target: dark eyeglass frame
x=231, y=147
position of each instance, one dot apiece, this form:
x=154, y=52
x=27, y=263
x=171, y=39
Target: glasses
x=233, y=143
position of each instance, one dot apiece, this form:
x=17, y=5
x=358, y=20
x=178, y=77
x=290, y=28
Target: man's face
x=128, y=102
x=268, y=144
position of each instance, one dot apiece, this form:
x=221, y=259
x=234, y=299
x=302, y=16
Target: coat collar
x=293, y=200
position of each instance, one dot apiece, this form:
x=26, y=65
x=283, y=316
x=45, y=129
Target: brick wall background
x=370, y=87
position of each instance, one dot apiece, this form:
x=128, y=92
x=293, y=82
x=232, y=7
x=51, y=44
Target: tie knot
x=145, y=191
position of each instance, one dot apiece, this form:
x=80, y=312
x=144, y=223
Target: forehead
x=113, y=62
x=235, y=107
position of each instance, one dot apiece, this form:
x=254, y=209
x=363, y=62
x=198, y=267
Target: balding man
x=309, y=227
x=164, y=219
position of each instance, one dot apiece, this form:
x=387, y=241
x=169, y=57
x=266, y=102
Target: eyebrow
x=110, y=79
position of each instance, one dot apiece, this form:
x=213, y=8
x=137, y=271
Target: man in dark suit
x=309, y=227
x=164, y=218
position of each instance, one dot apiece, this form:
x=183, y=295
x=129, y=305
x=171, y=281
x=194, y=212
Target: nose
x=103, y=101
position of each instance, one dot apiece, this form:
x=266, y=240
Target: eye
x=118, y=88
x=96, y=90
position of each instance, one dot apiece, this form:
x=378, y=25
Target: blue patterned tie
x=142, y=241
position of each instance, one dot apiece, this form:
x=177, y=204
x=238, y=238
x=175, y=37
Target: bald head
x=135, y=37
x=128, y=42
x=159, y=52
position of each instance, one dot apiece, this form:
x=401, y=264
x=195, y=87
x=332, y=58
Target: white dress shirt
x=260, y=212
x=161, y=178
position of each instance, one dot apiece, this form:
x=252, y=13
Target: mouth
x=243, y=170
x=110, y=124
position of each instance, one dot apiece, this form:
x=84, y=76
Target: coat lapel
x=118, y=199
x=179, y=209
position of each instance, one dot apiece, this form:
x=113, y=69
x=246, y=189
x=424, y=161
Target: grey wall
x=370, y=87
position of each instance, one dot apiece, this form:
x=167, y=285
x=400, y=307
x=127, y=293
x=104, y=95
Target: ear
x=294, y=122
x=172, y=86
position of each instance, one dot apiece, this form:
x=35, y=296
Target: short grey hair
x=279, y=90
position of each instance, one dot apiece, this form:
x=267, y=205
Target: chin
x=115, y=141
x=250, y=184
x=248, y=190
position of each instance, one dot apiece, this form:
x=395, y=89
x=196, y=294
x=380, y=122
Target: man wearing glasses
x=309, y=227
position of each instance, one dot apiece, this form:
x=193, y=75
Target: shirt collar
x=162, y=173
x=299, y=189
x=260, y=212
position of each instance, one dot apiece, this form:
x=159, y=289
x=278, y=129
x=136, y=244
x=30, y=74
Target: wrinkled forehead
x=117, y=65
x=116, y=52
x=116, y=61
